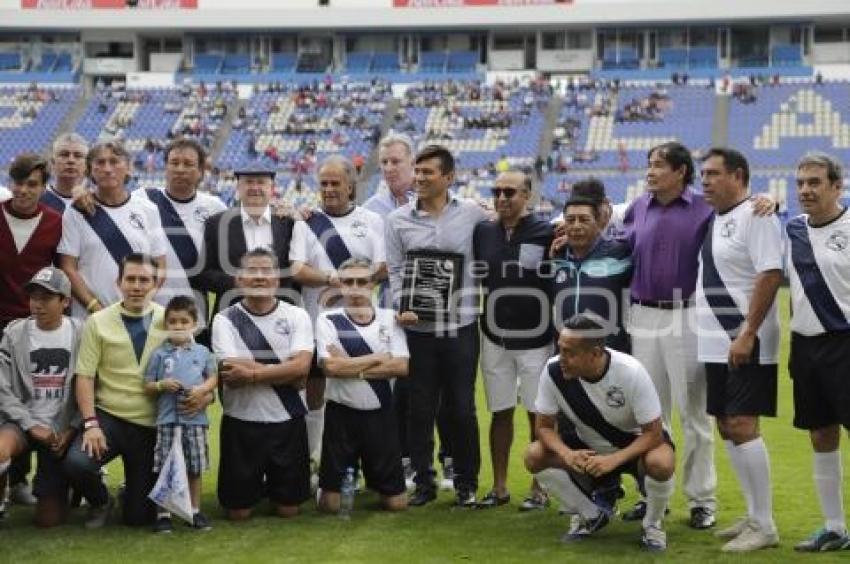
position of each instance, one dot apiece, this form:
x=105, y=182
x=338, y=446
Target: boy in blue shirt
x=179, y=368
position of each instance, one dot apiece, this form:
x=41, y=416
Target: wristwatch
x=90, y=423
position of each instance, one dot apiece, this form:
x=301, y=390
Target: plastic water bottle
x=346, y=494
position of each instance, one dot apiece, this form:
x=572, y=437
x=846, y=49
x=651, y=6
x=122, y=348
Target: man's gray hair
x=356, y=262
x=834, y=170
x=398, y=139
x=70, y=139
x=347, y=167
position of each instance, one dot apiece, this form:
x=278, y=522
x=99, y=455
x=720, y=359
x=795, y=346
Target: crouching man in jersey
x=360, y=348
x=611, y=400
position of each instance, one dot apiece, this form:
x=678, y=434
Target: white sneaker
x=752, y=538
x=733, y=530
x=653, y=539
x=21, y=494
x=448, y=481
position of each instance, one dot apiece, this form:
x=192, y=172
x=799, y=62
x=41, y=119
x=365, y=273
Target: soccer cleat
x=583, y=528
x=200, y=522
x=653, y=539
x=733, y=530
x=99, y=516
x=465, y=499
x=492, y=499
x=422, y=495
x=824, y=540
x=163, y=525
x=21, y=494
x=637, y=512
x=753, y=537
x=535, y=501
x=702, y=518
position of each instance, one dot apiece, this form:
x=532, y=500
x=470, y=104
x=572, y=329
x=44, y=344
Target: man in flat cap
x=251, y=225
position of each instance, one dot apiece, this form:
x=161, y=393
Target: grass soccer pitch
x=436, y=533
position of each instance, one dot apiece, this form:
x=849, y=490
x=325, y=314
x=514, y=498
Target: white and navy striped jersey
x=738, y=247
x=269, y=339
x=819, y=270
x=180, y=254
x=130, y=227
x=382, y=335
x=360, y=230
x=625, y=399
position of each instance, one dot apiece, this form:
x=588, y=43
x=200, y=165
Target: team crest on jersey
x=615, y=397
x=727, y=229
x=838, y=241
x=281, y=326
x=561, y=276
x=136, y=221
x=201, y=214
x=359, y=229
x=384, y=334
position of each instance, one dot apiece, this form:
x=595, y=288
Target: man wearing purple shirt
x=666, y=228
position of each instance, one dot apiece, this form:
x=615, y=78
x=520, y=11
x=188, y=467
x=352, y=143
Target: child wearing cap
x=180, y=367
x=37, y=405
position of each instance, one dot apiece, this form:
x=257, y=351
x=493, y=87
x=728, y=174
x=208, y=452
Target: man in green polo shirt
x=118, y=418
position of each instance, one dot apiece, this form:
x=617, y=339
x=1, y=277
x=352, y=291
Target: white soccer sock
x=735, y=457
x=315, y=421
x=658, y=495
x=4, y=466
x=559, y=485
x=754, y=457
x=828, y=482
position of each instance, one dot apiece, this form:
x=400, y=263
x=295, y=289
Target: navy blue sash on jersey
x=109, y=233
x=175, y=230
x=328, y=237
x=355, y=345
x=811, y=278
x=717, y=294
x=578, y=400
x=50, y=199
x=257, y=342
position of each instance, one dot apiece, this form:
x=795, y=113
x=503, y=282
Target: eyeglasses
x=508, y=193
x=355, y=282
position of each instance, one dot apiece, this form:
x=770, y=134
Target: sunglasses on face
x=508, y=193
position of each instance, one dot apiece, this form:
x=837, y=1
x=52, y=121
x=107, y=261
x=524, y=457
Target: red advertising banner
x=109, y=4
x=474, y=3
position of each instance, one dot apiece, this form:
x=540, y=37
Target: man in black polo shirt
x=516, y=326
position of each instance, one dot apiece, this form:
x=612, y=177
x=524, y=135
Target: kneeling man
x=613, y=404
x=361, y=349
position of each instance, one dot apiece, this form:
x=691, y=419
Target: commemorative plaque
x=430, y=280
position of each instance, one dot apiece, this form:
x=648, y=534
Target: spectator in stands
x=93, y=245
x=68, y=162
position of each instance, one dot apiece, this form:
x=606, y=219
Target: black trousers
x=135, y=445
x=442, y=375
x=401, y=401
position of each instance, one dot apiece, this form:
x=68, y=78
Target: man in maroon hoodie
x=29, y=234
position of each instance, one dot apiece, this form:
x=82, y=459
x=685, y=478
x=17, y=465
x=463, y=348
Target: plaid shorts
x=195, y=447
